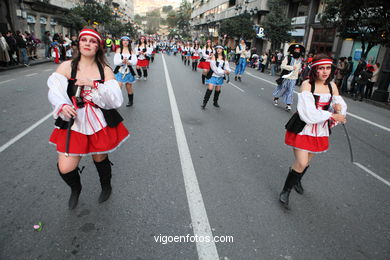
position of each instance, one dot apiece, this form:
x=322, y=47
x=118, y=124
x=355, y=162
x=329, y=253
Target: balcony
x=298, y=20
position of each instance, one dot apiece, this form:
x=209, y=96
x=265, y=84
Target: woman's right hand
x=69, y=111
x=339, y=118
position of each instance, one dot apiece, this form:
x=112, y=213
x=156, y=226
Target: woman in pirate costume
x=142, y=51
x=207, y=53
x=291, y=66
x=219, y=67
x=320, y=107
x=187, y=53
x=152, y=46
x=85, y=95
x=195, y=55
x=124, y=60
x=243, y=54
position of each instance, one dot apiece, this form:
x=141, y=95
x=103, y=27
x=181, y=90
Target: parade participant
x=195, y=55
x=187, y=53
x=124, y=60
x=152, y=45
x=142, y=51
x=84, y=95
x=291, y=66
x=320, y=107
x=243, y=53
x=207, y=53
x=219, y=67
x=108, y=45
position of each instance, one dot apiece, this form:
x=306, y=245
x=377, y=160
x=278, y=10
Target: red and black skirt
x=104, y=141
x=313, y=144
x=143, y=63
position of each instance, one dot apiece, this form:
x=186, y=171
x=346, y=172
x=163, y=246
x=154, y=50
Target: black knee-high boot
x=193, y=66
x=196, y=66
x=206, y=98
x=131, y=97
x=104, y=171
x=291, y=180
x=73, y=180
x=203, y=79
x=145, y=74
x=139, y=73
x=152, y=59
x=216, y=96
x=298, y=186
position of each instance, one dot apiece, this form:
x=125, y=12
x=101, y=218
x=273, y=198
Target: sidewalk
x=40, y=60
x=385, y=105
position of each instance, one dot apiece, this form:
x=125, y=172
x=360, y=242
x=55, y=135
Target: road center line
x=236, y=87
x=200, y=222
x=5, y=81
x=28, y=130
x=364, y=168
x=348, y=113
x=32, y=74
x=49, y=69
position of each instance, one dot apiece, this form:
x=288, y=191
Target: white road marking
x=236, y=87
x=348, y=113
x=49, y=69
x=19, y=136
x=32, y=74
x=5, y=81
x=372, y=173
x=200, y=222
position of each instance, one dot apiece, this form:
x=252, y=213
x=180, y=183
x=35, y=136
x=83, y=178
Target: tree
x=183, y=18
x=238, y=27
x=367, y=21
x=153, y=19
x=277, y=26
x=93, y=12
x=138, y=19
x=172, y=18
x=167, y=8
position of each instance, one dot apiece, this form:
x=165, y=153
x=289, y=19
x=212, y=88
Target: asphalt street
x=226, y=184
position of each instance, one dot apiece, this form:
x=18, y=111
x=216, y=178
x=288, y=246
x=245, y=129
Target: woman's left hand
x=337, y=107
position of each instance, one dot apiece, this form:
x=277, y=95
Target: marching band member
x=320, y=107
x=195, y=55
x=207, y=53
x=219, y=67
x=85, y=95
x=142, y=51
x=124, y=60
x=291, y=66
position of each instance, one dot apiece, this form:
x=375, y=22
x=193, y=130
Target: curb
x=22, y=66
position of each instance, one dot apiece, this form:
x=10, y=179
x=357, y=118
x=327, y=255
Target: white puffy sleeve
x=339, y=100
x=227, y=66
x=117, y=59
x=238, y=51
x=204, y=54
x=149, y=50
x=133, y=60
x=308, y=111
x=285, y=66
x=57, y=95
x=217, y=70
x=108, y=95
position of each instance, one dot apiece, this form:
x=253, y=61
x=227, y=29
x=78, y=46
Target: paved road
x=226, y=183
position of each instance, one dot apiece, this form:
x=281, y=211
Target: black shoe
x=206, y=98
x=298, y=186
x=235, y=78
x=216, y=96
x=73, y=180
x=216, y=104
x=104, y=171
x=131, y=97
x=291, y=180
x=239, y=78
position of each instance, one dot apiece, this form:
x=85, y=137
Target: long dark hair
x=129, y=46
x=223, y=55
x=145, y=41
x=100, y=58
x=211, y=44
x=313, y=71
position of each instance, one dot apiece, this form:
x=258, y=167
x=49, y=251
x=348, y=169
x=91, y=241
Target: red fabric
x=104, y=140
x=143, y=63
x=153, y=52
x=57, y=58
x=195, y=57
x=204, y=65
x=306, y=142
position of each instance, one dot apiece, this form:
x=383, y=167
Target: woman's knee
x=99, y=157
x=67, y=164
